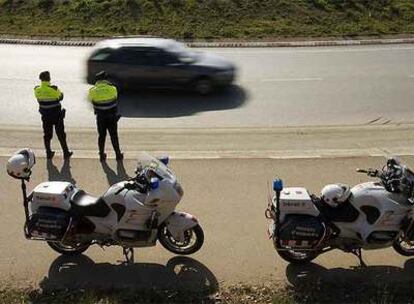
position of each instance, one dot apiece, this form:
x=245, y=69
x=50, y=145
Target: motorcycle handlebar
x=130, y=185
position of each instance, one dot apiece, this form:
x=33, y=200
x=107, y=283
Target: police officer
x=49, y=98
x=104, y=97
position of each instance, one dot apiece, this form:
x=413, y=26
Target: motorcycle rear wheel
x=404, y=247
x=68, y=249
x=194, y=239
x=297, y=257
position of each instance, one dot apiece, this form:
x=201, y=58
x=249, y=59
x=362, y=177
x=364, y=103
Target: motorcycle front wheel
x=74, y=249
x=193, y=240
x=297, y=257
x=404, y=247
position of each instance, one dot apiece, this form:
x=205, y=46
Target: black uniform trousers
x=53, y=118
x=107, y=121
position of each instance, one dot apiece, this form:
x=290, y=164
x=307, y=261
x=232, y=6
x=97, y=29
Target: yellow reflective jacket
x=48, y=96
x=103, y=95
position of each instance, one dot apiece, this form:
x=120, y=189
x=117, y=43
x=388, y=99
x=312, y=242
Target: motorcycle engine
x=301, y=232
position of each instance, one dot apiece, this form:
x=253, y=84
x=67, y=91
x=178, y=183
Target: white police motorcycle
x=371, y=215
x=130, y=214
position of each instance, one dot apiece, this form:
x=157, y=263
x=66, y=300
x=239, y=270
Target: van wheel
x=203, y=86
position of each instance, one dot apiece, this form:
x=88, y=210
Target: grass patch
x=231, y=295
x=369, y=293
x=207, y=19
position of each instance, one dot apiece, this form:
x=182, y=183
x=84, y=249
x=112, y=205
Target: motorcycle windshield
x=409, y=174
x=146, y=161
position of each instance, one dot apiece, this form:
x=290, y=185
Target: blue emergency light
x=277, y=185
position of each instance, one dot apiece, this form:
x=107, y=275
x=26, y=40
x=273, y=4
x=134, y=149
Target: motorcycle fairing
x=178, y=222
x=393, y=208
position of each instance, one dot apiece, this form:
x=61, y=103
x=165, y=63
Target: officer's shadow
x=112, y=176
x=64, y=174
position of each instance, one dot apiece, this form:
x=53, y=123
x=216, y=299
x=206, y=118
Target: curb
x=131, y=155
x=228, y=44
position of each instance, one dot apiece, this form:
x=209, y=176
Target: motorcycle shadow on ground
x=112, y=176
x=64, y=174
x=313, y=283
x=80, y=272
x=162, y=103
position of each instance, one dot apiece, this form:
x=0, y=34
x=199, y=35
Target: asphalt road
x=227, y=195
x=238, y=133
x=275, y=87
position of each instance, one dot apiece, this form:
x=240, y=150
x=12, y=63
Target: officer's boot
x=49, y=152
x=66, y=152
x=101, y=146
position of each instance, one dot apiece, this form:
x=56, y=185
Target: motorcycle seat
x=83, y=204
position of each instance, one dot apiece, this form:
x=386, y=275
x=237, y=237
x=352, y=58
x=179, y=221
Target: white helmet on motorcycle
x=335, y=194
x=20, y=164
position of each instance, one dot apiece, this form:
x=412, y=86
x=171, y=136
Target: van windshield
x=101, y=54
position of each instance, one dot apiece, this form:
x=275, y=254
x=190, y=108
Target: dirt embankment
x=213, y=19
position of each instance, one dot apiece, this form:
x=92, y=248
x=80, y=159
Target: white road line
x=253, y=154
x=292, y=79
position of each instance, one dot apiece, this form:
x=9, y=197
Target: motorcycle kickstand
x=358, y=253
x=129, y=255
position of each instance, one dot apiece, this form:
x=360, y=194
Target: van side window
x=129, y=56
x=152, y=57
x=138, y=56
x=101, y=55
x=168, y=58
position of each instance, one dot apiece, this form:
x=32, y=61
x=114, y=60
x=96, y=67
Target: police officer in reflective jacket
x=104, y=97
x=49, y=98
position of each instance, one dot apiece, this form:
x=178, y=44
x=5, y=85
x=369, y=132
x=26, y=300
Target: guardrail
x=226, y=44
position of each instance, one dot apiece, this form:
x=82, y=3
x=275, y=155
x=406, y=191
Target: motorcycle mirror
x=155, y=183
x=277, y=185
x=164, y=159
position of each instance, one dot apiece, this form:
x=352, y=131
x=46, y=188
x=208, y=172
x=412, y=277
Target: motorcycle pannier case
x=48, y=224
x=300, y=226
x=52, y=194
x=301, y=231
x=296, y=200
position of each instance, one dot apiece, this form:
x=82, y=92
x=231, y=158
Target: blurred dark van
x=134, y=63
